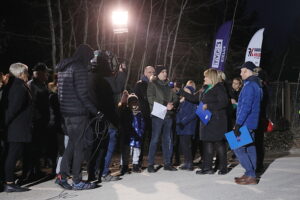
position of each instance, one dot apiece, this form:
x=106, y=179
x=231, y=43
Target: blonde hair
x=212, y=74
x=221, y=76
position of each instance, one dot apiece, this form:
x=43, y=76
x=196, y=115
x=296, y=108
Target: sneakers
x=83, y=186
x=109, y=177
x=63, y=182
x=14, y=188
x=169, y=168
x=151, y=169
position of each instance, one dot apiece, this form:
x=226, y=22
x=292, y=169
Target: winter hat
x=191, y=89
x=40, y=67
x=132, y=98
x=249, y=65
x=159, y=68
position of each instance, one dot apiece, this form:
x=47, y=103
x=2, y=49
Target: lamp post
x=119, y=21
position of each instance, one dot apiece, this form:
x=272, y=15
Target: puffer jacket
x=73, y=84
x=249, y=103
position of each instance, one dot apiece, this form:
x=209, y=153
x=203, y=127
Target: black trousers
x=209, y=149
x=14, y=152
x=185, y=142
x=77, y=146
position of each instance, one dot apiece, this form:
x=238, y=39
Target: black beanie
x=159, y=68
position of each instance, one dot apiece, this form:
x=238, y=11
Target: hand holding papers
x=236, y=142
x=159, y=110
x=204, y=115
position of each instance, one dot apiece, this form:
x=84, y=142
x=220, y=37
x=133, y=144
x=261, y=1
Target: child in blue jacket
x=186, y=121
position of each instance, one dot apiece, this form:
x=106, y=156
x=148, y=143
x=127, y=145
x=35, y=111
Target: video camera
x=104, y=61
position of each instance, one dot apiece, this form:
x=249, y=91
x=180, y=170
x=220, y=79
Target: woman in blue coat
x=186, y=121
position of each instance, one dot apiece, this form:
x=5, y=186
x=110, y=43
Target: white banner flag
x=253, y=52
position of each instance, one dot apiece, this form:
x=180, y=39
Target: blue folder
x=235, y=142
x=204, y=115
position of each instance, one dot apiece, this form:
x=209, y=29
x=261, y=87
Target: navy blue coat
x=249, y=103
x=186, y=118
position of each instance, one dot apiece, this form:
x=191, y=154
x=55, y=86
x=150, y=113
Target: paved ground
x=280, y=181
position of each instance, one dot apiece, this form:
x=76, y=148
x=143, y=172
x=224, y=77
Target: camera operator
x=107, y=79
x=76, y=108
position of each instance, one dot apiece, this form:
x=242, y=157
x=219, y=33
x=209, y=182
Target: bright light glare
x=119, y=17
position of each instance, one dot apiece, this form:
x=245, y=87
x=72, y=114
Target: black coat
x=17, y=103
x=141, y=92
x=73, y=84
x=217, y=102
x=40, y=101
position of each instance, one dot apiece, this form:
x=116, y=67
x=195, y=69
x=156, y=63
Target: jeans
x=110, y=149
x=161, y=128
x=247, y=158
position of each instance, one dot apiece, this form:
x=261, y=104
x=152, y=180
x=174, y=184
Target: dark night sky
x=281, y=18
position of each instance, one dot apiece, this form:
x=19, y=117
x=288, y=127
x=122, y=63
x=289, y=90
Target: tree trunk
x=52, y=31
x=98, y=21
x=183, y=5
x=158, y=51
x=61, y=44
x=134, y=43
x=86, y=23
x=146, y=43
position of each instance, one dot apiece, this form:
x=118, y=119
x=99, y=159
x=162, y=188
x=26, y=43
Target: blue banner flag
x=220, y=47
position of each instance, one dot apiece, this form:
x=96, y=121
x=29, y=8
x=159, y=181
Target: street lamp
x=119, y=21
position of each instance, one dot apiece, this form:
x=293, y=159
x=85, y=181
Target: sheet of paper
x=159, y=110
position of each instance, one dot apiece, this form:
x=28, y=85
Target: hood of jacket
x=83, y=54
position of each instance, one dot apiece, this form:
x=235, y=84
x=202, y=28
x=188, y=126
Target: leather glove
x=237, y=132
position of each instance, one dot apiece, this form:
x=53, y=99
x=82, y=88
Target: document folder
x=236, y=142
x=204, y=115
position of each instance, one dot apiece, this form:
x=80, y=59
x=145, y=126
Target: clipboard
x=204, y=115
x=244, y=139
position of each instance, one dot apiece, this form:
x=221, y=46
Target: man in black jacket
x=17, y=104
x=41, y=114
x=106, y=85
x=75, y=107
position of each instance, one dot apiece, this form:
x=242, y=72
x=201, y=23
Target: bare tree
x=86, y=22
x=158, y=51
x=183, y=5
x=61, y=44
x=52, y=33
x=147, y=39
x=134, y=42
x=98, y=24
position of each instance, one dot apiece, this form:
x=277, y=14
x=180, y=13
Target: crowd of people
x=80, y=114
